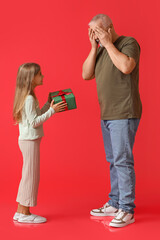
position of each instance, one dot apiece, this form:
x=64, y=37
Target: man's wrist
x=108, y=45
x=94, y=49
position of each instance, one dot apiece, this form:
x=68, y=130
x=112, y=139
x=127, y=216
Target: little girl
x=30, y=117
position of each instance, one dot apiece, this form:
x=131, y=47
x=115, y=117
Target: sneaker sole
x=31, y=222
x=121, y=224
x=102, y=214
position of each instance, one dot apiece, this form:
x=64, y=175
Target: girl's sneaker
x=16, y=216
x=32, y=218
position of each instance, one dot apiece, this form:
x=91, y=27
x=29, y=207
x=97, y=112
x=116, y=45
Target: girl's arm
x=45, y=107
x=31, y=114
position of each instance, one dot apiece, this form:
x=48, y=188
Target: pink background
x=74, y=171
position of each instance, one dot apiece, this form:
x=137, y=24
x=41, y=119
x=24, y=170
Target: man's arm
x=88, y=69
x=123, y=62
x=89, y=65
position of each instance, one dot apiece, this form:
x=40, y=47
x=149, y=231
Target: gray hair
x=106, y=21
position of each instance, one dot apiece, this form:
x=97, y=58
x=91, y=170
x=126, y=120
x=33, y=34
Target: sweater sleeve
x=31, y=114
x=45, y=107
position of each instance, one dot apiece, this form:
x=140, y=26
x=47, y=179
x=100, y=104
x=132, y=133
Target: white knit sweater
x=33, y=118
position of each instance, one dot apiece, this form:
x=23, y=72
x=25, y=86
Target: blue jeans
x=118, y=137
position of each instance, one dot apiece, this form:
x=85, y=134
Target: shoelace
x=104, y=206
x=120, y=214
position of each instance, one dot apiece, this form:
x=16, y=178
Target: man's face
x=93, y=25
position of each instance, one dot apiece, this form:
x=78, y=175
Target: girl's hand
x=58, y=107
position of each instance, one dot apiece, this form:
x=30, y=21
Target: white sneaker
x=32, y=218
x=16, y=216
x=106, y=210
x=122, y=219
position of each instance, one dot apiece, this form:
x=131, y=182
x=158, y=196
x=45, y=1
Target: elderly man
x=114, y=62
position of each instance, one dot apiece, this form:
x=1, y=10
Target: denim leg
x=114, y=194
x=122, y=134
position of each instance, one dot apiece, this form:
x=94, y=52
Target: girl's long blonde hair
x=25, y=76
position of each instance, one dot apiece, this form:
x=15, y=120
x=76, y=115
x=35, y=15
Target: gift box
x=65, y=95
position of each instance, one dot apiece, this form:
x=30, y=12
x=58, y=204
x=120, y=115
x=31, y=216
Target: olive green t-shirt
x=118, y=93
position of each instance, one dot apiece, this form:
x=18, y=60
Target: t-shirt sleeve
x=132, y=49
x=31, y=114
